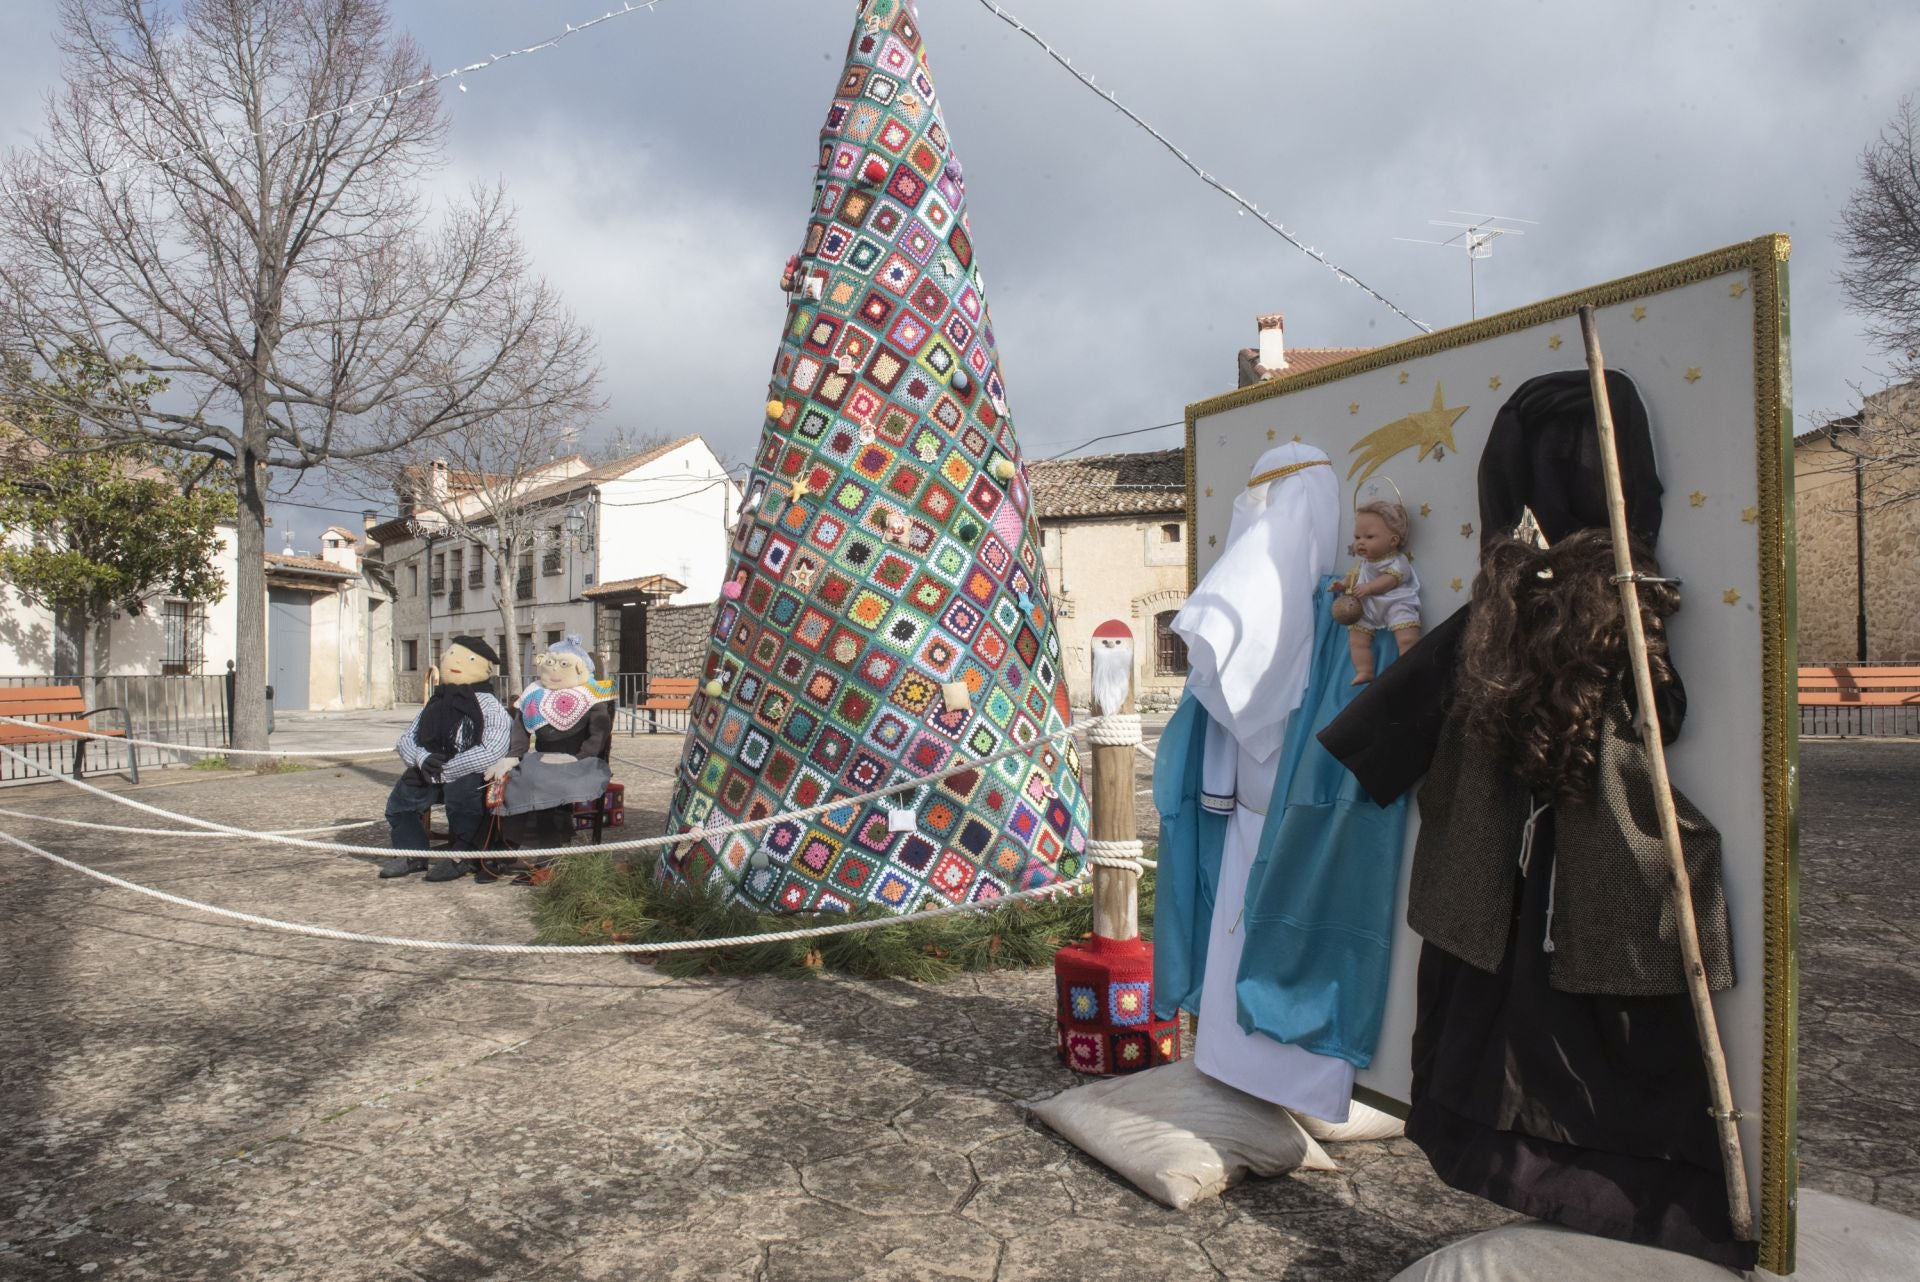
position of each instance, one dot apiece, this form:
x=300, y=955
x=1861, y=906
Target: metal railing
x=1859, y=721
x=185, y=710
x=476, y=577
x=455, y=597
x=523, y=588
x=550, y=563
x=437, y=584
x=635, y=717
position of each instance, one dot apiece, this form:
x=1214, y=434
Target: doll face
x=561, y=671
x=460, y=666
x=1372, y=540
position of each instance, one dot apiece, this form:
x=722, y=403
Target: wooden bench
x=67, y=704
x=1826, y=692
x=666, y=694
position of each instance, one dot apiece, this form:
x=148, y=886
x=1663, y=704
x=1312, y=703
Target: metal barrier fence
x=635, y=717
x=184, y=710
x=1847, y=721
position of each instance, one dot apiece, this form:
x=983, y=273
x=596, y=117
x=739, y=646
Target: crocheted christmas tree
x=886, y=617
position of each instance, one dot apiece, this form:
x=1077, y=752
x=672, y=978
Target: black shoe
x=401, y=866
x=449, y=869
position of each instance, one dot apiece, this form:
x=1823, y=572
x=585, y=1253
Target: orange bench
x=1827, y=693
x=667, y=694
x=68, y=705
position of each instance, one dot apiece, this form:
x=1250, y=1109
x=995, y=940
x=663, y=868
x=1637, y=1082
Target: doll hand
x=558, y=758
x=504, y=766
x=431, y=766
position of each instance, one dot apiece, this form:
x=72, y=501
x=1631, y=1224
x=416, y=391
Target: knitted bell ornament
x=893, y=620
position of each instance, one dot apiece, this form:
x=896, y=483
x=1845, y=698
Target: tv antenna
x=1476, y=237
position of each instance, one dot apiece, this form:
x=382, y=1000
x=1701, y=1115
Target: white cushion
x=1179, y=1136
x=1839, y=1241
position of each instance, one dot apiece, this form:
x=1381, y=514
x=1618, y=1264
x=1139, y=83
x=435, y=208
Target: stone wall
x=677, y=638
x=1827, y=550
x=1129, y=568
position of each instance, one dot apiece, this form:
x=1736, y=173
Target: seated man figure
x=460, y=731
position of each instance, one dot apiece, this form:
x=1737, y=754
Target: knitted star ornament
x=888, y=616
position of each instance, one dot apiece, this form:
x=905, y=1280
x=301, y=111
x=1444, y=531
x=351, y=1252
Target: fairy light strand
x=1211, y=181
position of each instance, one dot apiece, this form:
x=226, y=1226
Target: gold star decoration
x=1730, y=596
x=1697, y=499
x=1749, y=514
x=1494, y=382
x=798, y=489
x=1640, y=312
x=1296, y=438
x=1209, y=491
x=1553, y=344
x=1212, y=539
x=1430, y=429
x=801, y=576
x=1403, y=376
x=1426, y=509
x=1693, y=373
x=1353, y=407
x=1466, y=531
x=1738, y=288
x=1456, y=585
x=1270, y=434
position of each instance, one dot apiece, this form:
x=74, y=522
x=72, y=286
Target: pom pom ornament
x=714, y=689
x=730, y=590
x=857, y=606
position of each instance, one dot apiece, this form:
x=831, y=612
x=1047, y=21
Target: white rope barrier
x=458, y=946
x=181, y=832
x=191, y=748
x=1116, y=730
x=1122, y=855
x=613, y=847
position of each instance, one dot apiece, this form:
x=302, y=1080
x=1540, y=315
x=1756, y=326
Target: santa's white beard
x=1112, y=676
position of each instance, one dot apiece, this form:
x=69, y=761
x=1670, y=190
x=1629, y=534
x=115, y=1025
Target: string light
x=360, y=104
x=1246, y=206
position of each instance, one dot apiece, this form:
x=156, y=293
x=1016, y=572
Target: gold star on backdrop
x=1553, y=344
x=1403, y=376
x=1466, y=531
x=1430, y=429
x=1697, y=499
x=1426, y=509
x=1269, y=434
x=1693, y=373
x=1738, y=288
x=1730, y=596
x=1209, y=491
x=1455, y=585
x=1750, y=514
x=1640, y=312
x=1296, y=438
x=1212, y=539
x=1494, y=382
x=1353, y=407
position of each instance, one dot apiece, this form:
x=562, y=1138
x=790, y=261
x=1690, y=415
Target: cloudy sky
x=662, y=164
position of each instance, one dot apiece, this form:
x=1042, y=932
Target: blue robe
x=1320, y=900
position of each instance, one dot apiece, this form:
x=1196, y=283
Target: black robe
x=1586, y=1110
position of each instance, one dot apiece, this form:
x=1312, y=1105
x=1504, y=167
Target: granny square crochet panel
x=886, y=614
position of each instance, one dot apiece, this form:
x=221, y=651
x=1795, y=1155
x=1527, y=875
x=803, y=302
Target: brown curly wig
x=1542, y=656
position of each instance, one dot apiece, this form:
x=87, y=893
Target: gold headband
x=1288, y=470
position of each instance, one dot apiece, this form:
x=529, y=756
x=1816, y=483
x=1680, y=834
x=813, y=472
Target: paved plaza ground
x=185, y=1098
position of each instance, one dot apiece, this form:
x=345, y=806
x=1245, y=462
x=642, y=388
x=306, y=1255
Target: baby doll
x=1384, y=586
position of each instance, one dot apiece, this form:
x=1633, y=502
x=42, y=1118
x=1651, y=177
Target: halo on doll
x=1380, y=488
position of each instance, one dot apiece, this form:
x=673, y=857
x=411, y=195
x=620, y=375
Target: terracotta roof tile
x=1299, y=360
x=306, y=565
x=1150, y=482
x=650, y=584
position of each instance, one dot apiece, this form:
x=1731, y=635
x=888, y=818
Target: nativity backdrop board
x=1705, y=343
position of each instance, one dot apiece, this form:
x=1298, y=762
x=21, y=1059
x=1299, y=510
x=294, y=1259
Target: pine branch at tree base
x=597, y=900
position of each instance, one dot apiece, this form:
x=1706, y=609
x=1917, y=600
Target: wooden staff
x=1726, y=1119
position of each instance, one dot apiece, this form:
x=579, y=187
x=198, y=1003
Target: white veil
x=1249, y=625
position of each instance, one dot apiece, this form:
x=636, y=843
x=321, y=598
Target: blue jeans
x=464, y=798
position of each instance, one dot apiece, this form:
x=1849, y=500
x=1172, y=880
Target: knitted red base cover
x=1105, y=1008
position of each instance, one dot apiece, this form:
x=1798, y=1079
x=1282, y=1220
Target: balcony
x=437, y=584
x=476, y=577
x=523, y=588
x=454, y=598
x=550, y=563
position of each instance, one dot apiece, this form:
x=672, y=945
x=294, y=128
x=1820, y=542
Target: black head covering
x=1543, y=453
x=480, y=648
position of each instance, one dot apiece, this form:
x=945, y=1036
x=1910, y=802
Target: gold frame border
x=1766, y=259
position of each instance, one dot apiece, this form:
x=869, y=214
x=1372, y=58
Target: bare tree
x=1880, y=236
x=233, y=193
x=482, y=483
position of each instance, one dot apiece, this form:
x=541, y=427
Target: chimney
x=368, y=519
x=1273, y=347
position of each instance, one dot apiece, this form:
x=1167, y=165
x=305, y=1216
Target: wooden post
x=1739, y=1205
x=1116, y=886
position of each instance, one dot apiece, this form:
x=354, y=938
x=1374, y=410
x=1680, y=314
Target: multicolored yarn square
x=886, y=557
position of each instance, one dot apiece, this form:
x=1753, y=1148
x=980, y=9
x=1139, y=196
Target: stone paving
x=184, y=1098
